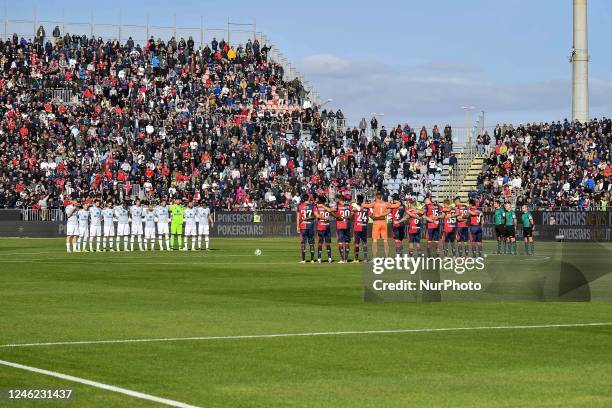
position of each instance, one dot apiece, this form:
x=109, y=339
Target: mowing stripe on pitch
x=100, y=385
x=312, y=334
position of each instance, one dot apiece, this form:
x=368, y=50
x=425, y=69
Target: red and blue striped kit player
x=433, y=213
x=360, y=228
x=343, y=233
x=306, y=219
x=399, y=229
x=323, y=214
x=414, y=229
x=462, y=226
x=449, y=227
x=476, y=217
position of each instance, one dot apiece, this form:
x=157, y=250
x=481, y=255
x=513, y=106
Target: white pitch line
x=312, y=334
x=100, y=385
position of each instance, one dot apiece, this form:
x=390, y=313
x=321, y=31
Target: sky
x=417, y=62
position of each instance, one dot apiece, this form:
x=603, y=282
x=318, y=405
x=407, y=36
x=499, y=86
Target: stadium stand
x=82, y=117
x=556, y=165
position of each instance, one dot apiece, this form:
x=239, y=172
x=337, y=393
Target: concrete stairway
x=463, y=179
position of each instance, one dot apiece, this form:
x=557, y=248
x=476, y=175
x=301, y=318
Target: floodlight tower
x=580, y=63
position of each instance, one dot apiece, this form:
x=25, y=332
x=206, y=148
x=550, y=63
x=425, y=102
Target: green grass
x=49, y=296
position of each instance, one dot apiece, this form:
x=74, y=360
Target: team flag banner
x=577, y=272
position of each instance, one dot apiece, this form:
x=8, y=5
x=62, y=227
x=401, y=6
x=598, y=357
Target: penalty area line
x=100, y=385
x=311, y=334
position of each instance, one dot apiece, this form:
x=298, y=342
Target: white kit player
x=163, y=231
x=95, y=225
x=83, y=215
x=136, y=214
x=190, y=226
x=149, y=231
x=108, y=215
x=205, y=222
x=72, y=226
x=123, y=225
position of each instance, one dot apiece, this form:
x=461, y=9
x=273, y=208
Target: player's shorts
x=95, y=230
x=191, y=230
x=162, y=228
x=123, y=230
x=324, y=235
x=510, y=231
x=137, y=228
x=149, y=232
x=379, y=230
x=203, y=229
x=462, y=234
x=176, y=229
x=450, y=236
x=83, y=231
x=500, y=231
x=344, y=235
x=399, y=233
x=72, y=230
x=528, y=232
x=361, y=236
x=307, y=235
x=476, y=234
x=109, y=229
x=433, y=234
x=415, y=236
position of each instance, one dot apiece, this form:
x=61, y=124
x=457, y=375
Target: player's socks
x=180, y=240
x=167, y=242
x=532, y=248
x=140, y=242
x=67, y=246
x=312, y=252
x=329, y=256
x=75, y=246
x=365, y=252
x=514, y=247
x=90, y=244
x=125, y=243
x=206, y=241
x=356, y=251
x=319, y=250
x=303, y=249
x=499, y=246
x=172, y=241
x=193, y=243
x=199, y=242
x=526, y=248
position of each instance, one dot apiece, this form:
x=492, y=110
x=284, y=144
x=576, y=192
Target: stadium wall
x=550, y=225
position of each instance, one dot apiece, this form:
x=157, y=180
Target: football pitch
x=226, y=328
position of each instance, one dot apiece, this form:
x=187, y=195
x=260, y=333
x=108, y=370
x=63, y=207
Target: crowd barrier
x=550, y=225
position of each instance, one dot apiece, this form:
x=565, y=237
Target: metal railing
x=63, y=95
x=37, y=214
x=234, y=33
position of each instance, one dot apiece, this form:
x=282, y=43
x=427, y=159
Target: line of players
x=454, y=229
x=91, y=227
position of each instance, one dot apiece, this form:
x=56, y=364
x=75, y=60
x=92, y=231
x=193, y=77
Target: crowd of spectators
x=221, y=123
x=218, y=123
x=556, y=165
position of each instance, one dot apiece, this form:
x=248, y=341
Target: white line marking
x=96, y=384
x=313, y=334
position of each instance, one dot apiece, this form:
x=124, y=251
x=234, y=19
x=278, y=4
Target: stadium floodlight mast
x=326, y=102
x=580, y=63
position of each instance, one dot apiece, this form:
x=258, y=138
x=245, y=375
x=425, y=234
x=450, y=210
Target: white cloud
x=418, y=95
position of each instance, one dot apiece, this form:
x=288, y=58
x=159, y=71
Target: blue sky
x=416, y=61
